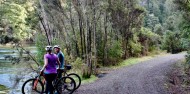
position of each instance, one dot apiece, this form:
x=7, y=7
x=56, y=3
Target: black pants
x=59, y=73
x=49, y=79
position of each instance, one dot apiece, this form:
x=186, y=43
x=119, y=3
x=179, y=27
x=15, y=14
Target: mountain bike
x=63, y=85
x=75, y=76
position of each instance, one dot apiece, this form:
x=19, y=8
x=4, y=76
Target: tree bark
x=105, y=54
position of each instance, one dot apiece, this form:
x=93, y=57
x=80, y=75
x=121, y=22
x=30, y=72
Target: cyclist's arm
x=63, y=60
x=58, y=62
x=45, y=63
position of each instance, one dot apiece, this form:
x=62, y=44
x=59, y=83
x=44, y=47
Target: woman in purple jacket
x=49, y=68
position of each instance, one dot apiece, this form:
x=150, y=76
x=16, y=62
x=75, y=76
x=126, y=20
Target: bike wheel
x=32, y=86
x=65, y=85
x=77, y=79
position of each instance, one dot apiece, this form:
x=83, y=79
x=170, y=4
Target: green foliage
x=115, y=50
x=41, y=43
x=93, y=78
x=165, y=20
x=152, y=38
x=2, y=87
x=172, y=42
x=114, y=53
x=19, y=16
x=136, y=48
x=186, y=35
x=158, y=29
x=135, y=45
x=78, y=65
x=15, y=15
x=133, y=61
x=170, y=24
x=6, y=39
x=86, y=72
x=147, y=33
x=187, y=64
x=156, y=9
x=152, y=20
x=184, y=7
x=188, y=57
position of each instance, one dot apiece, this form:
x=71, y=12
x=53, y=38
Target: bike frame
x=43, y=81
x=37, y=80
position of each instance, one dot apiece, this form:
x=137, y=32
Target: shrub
x=7, y=39
x=149, y=40
x=188, y=56
x=136, y=48
x=40, y=43
x=172, y=42
x=86, y=73
x=115, y=52
x=78, y=65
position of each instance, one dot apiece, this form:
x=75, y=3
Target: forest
x=96, y=33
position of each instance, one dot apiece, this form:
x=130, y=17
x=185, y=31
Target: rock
x=101, y=75
x=3, y=92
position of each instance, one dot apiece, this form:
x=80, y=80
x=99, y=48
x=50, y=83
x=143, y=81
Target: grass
x=5, y=46
x=179, y=80
x=136, y=60
x=92, y=79
x=3, y=89
x=132, y=61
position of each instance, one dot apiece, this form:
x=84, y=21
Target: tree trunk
x=75, y=37
x=81, y=37
x=105, y=54
x=94, y=32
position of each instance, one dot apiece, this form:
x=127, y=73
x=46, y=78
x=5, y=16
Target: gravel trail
x=148, y=77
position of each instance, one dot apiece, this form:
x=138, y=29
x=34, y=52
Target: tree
x=183, y=6
x=15, y=18
x=158, y=29
x=149, y=40
x=152, y=21
x=125, y=17
x=172, y=42
x=97, y=32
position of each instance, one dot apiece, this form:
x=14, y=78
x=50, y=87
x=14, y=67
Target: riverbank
x=11, y=72
x=3, y=89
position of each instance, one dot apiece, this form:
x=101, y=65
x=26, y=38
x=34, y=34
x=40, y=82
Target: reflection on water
x=4, y=52
x=7, y=52
x=5, y=80
x=7, y=69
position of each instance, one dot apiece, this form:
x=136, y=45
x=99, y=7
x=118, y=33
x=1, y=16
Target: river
x=9, y=72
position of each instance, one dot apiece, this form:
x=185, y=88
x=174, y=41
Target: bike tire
x=30, y=83
x=65, y=85
x=77, y=79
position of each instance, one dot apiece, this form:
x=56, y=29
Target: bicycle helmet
x=56, y=46
x=48, y=48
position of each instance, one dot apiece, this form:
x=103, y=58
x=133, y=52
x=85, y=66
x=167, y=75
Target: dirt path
x=148, y=77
